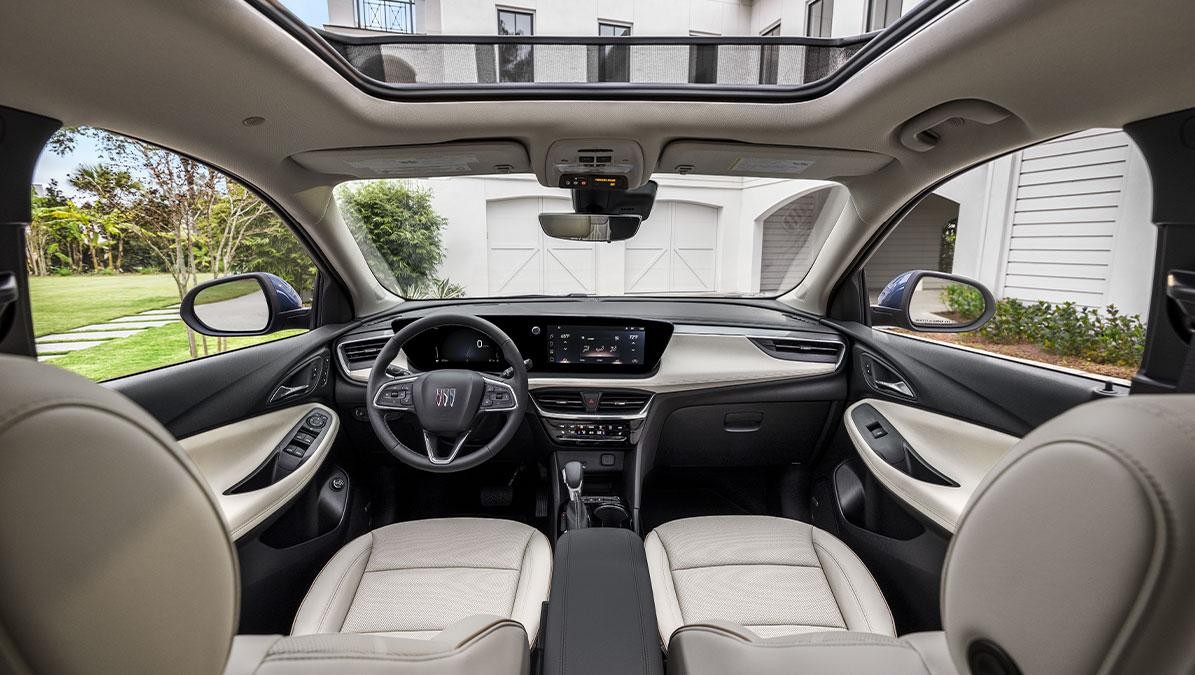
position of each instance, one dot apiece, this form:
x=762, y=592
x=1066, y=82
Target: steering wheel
x=447, y=402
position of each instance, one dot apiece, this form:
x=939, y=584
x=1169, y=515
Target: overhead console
x=553, y=344
x=589, y=163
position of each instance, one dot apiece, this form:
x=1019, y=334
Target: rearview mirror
x=933, y=302
x=589, y=227
x=243, y=304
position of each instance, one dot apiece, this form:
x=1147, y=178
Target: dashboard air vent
x=622, y=401
x=799, y=349
x=560, y=401
x=362, y=353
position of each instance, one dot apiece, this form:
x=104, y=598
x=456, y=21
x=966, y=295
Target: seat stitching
x=842, y=570
x=680, y=614
x=818, y=645
x=523, y=560
x=639, y=604
x=791, y=625
x=442, y=567
x=336, y=592
x=744, y=564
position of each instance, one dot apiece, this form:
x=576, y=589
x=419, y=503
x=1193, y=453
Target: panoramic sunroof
x=405, y=66
x=595, y=61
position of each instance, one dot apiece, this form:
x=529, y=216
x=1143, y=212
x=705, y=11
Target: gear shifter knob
x=574, y=475
x=576, y=514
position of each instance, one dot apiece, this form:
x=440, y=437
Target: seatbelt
x=1180, y=289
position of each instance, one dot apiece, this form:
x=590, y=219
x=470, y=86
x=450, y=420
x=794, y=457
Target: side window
x=121, y=231
x=1061, y=235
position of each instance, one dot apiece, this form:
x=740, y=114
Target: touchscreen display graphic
x=619, y=345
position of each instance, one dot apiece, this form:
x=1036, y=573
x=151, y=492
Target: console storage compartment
x=601, y=616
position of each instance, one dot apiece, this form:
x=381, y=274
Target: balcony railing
x=391, y=16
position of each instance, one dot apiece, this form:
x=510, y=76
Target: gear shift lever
x=576, y=516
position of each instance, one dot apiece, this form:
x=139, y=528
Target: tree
x=238, y=216
x=275, y=249
x=115, y=192
x=399, y=223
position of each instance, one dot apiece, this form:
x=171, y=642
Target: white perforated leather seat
x=774, y=576
x=415, y=579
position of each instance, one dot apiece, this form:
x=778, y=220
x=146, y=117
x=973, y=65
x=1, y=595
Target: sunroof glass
x=600, y=61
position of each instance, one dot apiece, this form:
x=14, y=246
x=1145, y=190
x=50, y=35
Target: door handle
x=897, y=386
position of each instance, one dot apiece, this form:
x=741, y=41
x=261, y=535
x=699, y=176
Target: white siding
x=915, y=244
x=1064, y=221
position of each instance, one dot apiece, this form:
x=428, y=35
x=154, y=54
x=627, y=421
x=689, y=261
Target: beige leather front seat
x=414, y=579
x=116, y=560
x=1075, y=556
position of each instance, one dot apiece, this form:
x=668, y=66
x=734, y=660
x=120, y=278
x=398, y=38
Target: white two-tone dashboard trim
x=697, y=357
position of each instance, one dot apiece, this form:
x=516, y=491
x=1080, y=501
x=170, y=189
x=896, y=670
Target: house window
x=819, y=15
x=614, y=61
x=881, y=13
x=703, y=62
x=769, y=58
x=516, y=63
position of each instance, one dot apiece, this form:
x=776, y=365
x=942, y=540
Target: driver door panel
x=287, y=514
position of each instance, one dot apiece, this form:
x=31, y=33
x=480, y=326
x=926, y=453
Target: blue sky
x=52, y=167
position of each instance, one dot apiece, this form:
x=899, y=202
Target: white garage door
x=674, y=251
x=522, y=260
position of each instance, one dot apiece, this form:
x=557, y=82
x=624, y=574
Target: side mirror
x=589, y=226
x=243, y=304
x=933, y=302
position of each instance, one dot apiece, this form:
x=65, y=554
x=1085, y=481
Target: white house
x=1065, y=220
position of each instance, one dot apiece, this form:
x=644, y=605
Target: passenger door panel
x=954, y=412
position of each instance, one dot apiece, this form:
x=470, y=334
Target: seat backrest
x=1077, y=553
x=114, y=556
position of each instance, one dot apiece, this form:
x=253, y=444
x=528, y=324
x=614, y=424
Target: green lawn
x=153, y=348
x=62, y=303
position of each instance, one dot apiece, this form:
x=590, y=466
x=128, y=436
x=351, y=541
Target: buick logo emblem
x=445, y=397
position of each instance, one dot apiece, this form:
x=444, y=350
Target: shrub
x=1068, y=329
x=964, y=301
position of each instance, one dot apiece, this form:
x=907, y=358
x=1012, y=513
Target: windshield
x=467, y=236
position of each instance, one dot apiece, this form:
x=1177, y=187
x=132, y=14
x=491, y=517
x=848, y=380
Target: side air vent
x=360, y=354
x=560, y=401
x=799, y=349
x=622, y=401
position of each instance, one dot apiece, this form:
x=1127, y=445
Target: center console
x=601, y=616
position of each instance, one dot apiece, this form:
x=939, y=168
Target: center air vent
x=560, y=401
x=622, y=401
x=361, y=353
x=800, y=349
x=572, y=402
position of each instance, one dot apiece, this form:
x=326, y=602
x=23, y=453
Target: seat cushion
x=772, y=575
x=416, y=578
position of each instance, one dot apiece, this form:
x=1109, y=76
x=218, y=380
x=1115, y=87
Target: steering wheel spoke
x=397, y=395
x=432, y=443
x=499, y=395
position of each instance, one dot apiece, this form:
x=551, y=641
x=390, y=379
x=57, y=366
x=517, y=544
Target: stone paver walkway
x=86, y=337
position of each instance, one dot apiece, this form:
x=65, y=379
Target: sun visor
x=712, y=158
x=420, y=161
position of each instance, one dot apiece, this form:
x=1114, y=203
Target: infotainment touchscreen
x=596, y=345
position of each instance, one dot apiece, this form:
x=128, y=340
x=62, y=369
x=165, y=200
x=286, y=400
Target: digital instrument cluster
x=552, y=344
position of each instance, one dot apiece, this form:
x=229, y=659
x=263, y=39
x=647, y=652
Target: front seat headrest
x=1077, y=552
x=115, y=556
